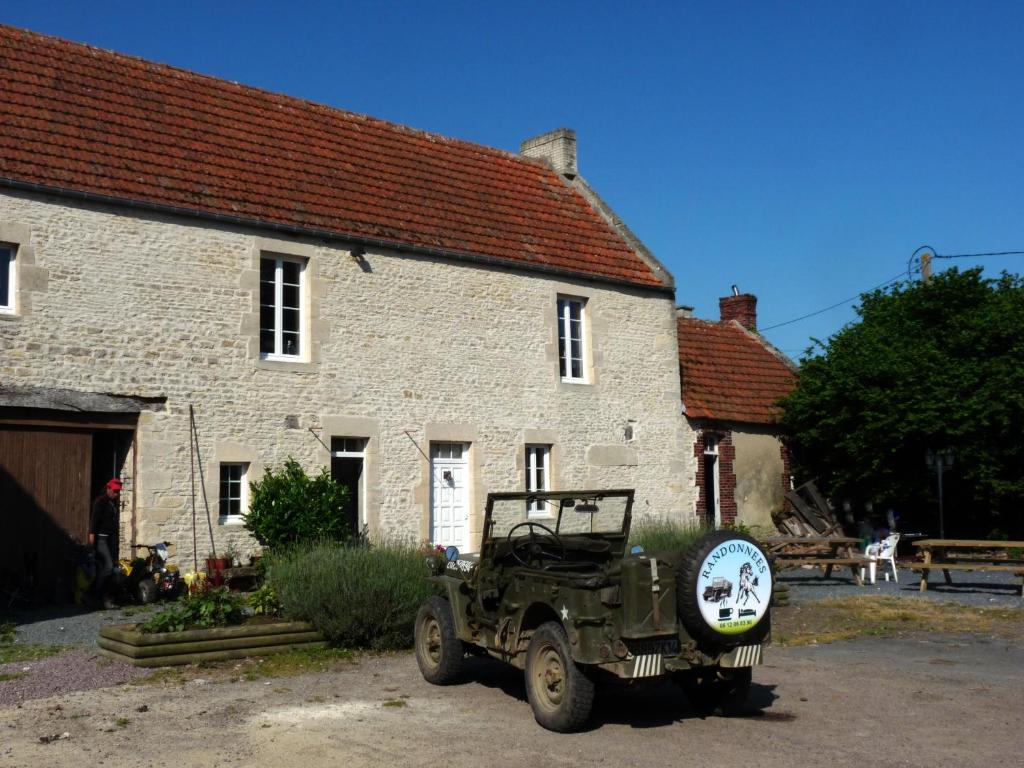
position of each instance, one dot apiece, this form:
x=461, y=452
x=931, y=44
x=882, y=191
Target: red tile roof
x=729, y=374
x=79, y=118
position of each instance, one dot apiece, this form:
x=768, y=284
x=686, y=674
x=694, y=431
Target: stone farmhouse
x=429, y=318
x=732, y=380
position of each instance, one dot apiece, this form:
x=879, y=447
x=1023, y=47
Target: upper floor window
x=234, y=492
x=281, y=307
x=570, y=339
x=538, y=477
x=7, y=278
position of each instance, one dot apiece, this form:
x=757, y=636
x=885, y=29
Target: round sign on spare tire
x=724, y=589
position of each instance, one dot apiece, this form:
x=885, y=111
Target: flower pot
x=215, y=567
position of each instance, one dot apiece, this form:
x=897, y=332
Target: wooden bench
x=924, y=568
x=828, y=563
x=969, y=555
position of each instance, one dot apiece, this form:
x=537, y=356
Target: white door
x=449, y=506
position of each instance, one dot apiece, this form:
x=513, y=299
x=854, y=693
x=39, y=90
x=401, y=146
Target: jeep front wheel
x=560, y=694
x=439, y=652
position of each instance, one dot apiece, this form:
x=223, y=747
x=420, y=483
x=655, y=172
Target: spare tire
x=724, y=589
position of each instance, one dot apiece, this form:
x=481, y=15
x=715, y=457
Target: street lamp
x=940, y=461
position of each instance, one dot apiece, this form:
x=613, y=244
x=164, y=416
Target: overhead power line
x=976, y=255
x=890, y=281
x=910, y=272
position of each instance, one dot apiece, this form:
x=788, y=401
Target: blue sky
x=801, y=151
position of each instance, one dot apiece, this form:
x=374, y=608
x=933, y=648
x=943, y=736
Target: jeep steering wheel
x=532, y=548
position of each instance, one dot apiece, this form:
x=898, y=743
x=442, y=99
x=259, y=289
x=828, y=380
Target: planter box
x=164, y=649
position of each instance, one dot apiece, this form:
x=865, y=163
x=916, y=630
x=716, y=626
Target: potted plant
x=215, y=567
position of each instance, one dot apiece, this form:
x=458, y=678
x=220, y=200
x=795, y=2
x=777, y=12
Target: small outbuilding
x=732, y=380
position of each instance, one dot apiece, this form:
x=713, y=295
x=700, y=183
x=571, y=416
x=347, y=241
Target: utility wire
x=974, y=255
x=891, y=280
x=909, y=272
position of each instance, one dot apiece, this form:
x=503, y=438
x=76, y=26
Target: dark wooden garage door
x=44, y=504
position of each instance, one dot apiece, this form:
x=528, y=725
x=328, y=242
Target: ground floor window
x=538, y=477
x=234, y=492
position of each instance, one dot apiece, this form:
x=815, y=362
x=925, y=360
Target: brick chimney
x=557, y=147
x=741, y=307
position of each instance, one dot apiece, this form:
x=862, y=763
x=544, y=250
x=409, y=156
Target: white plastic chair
x=883, y=550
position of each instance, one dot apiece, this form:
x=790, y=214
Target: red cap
x=114, y=484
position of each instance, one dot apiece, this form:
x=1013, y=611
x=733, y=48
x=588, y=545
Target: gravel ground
x=81, y=668
x=978, y=588
x=72, y=625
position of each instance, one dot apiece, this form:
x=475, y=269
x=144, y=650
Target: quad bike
x=166, y=577
x=141, y=579
x=147, y=578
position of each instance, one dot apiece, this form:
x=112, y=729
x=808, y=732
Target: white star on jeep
x=565, y=612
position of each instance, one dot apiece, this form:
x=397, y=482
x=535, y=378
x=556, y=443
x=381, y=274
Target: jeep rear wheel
x=560, y=695
x=439, y=652
x=724, y=590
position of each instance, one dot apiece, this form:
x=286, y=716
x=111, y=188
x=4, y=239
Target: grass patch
x=164, y=676
x=122, y=722
x=14, y=676
x=659, y=535
x=13, y=652
x=285, y=664
x=297, y=662
x=357, y=597
x=396, y=703
x=829, y=621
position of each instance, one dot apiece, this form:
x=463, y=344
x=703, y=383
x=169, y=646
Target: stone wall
x=405, y=350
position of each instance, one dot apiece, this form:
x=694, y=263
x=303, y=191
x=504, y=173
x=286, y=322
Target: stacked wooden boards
x=163, y=649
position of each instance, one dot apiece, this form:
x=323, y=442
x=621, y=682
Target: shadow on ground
x=639, y=705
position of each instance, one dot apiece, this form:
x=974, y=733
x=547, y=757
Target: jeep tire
x=439, y=652
x=689, y=592
x=560, y=695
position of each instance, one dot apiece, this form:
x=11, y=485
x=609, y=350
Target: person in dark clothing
x=103, y=535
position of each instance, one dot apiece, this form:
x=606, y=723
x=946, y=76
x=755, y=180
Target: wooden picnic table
x=968, y=555
x=828, y=552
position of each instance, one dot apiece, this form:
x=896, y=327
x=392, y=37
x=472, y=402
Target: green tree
x=929, y=365
x=289, y=506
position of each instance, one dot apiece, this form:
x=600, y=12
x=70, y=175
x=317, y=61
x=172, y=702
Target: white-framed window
x=234, y=492
x=712, y=487
x=282, y=311
x=8, y=280
x=538, y=478
x=571, y=334
x=348, y=464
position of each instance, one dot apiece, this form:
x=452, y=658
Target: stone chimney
x=684, y=310
x=741, y=307
x=557, y=147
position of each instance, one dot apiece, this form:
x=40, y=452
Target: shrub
x=264, y=601
x=289, y=506
x=358, y=597
x=660, y=535
x=201, y=610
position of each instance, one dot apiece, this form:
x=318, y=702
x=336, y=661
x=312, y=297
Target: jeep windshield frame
x=558, y=502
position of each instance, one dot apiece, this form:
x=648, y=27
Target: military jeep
x=554, y=591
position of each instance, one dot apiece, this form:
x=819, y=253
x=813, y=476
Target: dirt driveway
x=922, y=701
